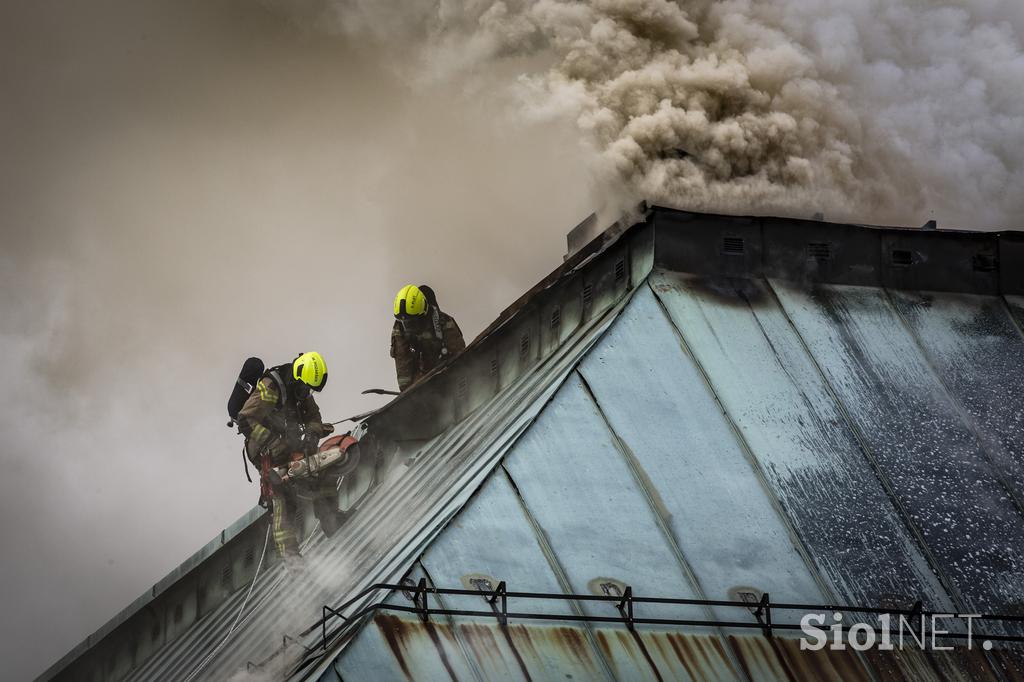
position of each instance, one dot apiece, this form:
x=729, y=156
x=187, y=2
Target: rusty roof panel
x=409, y=649
x=797, y=433
x=917, y=436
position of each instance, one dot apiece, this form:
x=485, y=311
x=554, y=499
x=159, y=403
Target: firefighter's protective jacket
x=272, y=420
x=420, y=344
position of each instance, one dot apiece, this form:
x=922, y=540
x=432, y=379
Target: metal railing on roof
x=764, y=611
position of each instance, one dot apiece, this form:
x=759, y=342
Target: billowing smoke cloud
x=882, y=110
x=187, y=183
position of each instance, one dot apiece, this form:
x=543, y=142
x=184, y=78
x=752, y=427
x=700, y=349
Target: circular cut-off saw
x=336, y=456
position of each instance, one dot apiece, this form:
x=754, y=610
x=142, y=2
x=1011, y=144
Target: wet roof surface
x=688, y=435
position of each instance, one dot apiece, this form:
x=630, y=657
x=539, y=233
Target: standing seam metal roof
x=767, y=420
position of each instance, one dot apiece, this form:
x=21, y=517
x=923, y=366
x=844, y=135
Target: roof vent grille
x=226, y=574
x=819, y=251
x=620, y=270
x=902, y=257
x=556, y=317
x=733, y=246
x=985, y=262
x=588, y=294
x=747, y=595
x=460, y=388
x=482, y=584
x=494, y=365
x=607, y=587
x=524, y=346
x=250, y=555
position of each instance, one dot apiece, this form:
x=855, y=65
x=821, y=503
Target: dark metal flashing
x=818, y=252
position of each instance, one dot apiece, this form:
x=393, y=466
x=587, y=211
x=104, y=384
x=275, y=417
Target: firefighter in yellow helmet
x=279, y=419
x=423, y=336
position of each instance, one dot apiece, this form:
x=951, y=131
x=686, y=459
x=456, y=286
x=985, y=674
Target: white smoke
x=884, y=110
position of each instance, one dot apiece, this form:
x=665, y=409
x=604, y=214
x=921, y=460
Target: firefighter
x=279, y=419
x=423, y=336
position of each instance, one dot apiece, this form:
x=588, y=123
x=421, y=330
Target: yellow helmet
x=310, y=369
x=410, y=302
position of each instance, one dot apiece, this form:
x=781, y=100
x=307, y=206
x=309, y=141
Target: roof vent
x=732, y=246
x=524, y=346
x=607, y=587
x=819, y=251
x=747, y=595
x=250, y=555
x=480, y=582
x=556, y=317
x=902, y=257
x=460, y=388
x=588, y=294
x=226, y=574
x=985, y=262
x=620, y=270
x=494, y=365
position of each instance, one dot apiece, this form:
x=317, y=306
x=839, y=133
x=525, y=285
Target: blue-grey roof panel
x=780, y=403
x=720, y=514
x=915, y=433
x=1016, y=306
x=493, y=537
x=975, y=347
x=610, y=532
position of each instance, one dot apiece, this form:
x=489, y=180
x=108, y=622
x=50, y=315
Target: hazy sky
x=186, y=183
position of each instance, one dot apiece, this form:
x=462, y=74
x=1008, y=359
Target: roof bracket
x=419, y=600
x=323, y=623
x=764, y=615
x=502, y=592
x=625, y=607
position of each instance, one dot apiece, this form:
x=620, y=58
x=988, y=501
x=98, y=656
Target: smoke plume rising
x=867, y=110
x=187, y=183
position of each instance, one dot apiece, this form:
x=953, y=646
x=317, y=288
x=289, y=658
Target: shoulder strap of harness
x=282, y=391
x=435, y=317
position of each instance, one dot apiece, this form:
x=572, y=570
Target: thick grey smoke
x=186, y=183
x=882, y=110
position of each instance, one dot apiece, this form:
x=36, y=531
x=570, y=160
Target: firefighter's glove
x=326, y=429
x=310, y=442
x=294, y=437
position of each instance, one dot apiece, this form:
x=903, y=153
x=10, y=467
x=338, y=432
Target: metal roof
x=699, y=407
